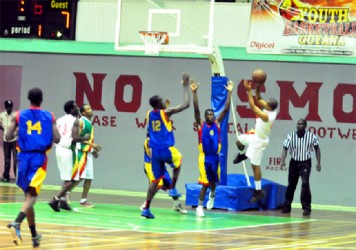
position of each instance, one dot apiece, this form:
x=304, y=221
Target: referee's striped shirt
x=300, y=148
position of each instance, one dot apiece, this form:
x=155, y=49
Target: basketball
x=259, y=76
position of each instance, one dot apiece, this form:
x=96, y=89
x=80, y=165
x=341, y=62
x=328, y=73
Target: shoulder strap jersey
x=87, y=129
x=160, y=129
x=209, y=138
x=35, y=130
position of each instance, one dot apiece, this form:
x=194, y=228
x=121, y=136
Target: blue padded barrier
x=236, y=194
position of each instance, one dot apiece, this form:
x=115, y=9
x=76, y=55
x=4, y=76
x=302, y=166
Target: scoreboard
x=44, y=19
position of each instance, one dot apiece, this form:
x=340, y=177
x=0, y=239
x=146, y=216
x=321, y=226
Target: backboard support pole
x=216, y=62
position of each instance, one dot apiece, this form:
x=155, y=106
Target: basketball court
x=126, y=217
x=115, y=223
x=153, y=28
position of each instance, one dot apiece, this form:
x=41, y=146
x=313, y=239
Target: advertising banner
x=303, y=27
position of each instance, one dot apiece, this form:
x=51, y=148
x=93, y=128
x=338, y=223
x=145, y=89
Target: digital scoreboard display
x=44, y=19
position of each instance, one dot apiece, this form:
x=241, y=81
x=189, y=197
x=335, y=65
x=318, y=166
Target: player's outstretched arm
x=258, y=112
x=229, y=87
x=194, y=87
x=186, y=97
x=259, y=99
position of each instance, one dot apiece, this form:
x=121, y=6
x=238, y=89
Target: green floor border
x=165, y=196
x=128, y=217
x=106, y=48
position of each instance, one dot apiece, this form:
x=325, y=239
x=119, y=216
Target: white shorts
x=255, y=147
x=88, y=172
x=64, y=158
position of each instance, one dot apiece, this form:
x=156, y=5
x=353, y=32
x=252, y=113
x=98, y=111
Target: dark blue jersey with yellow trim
x=209, y=138
x=160, y=129
x=146, y=150
x=35, y=129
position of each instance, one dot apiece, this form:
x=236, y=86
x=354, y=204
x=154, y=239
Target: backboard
x=189, y=24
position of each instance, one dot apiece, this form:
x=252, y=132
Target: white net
x=153, y=42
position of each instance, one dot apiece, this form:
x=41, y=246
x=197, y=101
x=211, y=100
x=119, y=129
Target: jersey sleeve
x=315, y=141
x=286, y=142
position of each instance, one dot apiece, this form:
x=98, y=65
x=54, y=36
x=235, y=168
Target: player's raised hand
x=247, y=85
x=194, y=85
x=167, y=102
x=230, y=86
x=185, y=80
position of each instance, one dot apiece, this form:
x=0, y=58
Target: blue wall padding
x=236, y=194
x=218, y=98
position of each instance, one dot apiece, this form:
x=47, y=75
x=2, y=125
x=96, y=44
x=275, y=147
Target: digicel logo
x=262, y=45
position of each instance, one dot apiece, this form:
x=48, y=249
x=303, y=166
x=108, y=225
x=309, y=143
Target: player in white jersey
x=65, y=153
x=257, y=139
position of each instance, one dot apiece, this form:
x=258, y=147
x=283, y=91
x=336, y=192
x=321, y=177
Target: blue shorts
x=160, y=157
x=164, y=183
x=31, y=170
x=209, y=168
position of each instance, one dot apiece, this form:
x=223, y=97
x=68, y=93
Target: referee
x=300, y=145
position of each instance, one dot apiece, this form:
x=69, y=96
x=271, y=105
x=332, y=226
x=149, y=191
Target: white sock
x=83, y=200
x=258, y=185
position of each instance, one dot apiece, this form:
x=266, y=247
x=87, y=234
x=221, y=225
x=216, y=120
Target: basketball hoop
x=153, y=41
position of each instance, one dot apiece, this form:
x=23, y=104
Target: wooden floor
x=324, y=229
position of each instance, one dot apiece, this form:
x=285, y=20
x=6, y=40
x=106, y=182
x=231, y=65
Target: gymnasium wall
x=118, y=89
x=118, y=86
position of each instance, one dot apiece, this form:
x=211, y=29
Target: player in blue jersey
x=209, y=146
x=162, y=143
x=165, y=183
x=36, y=129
